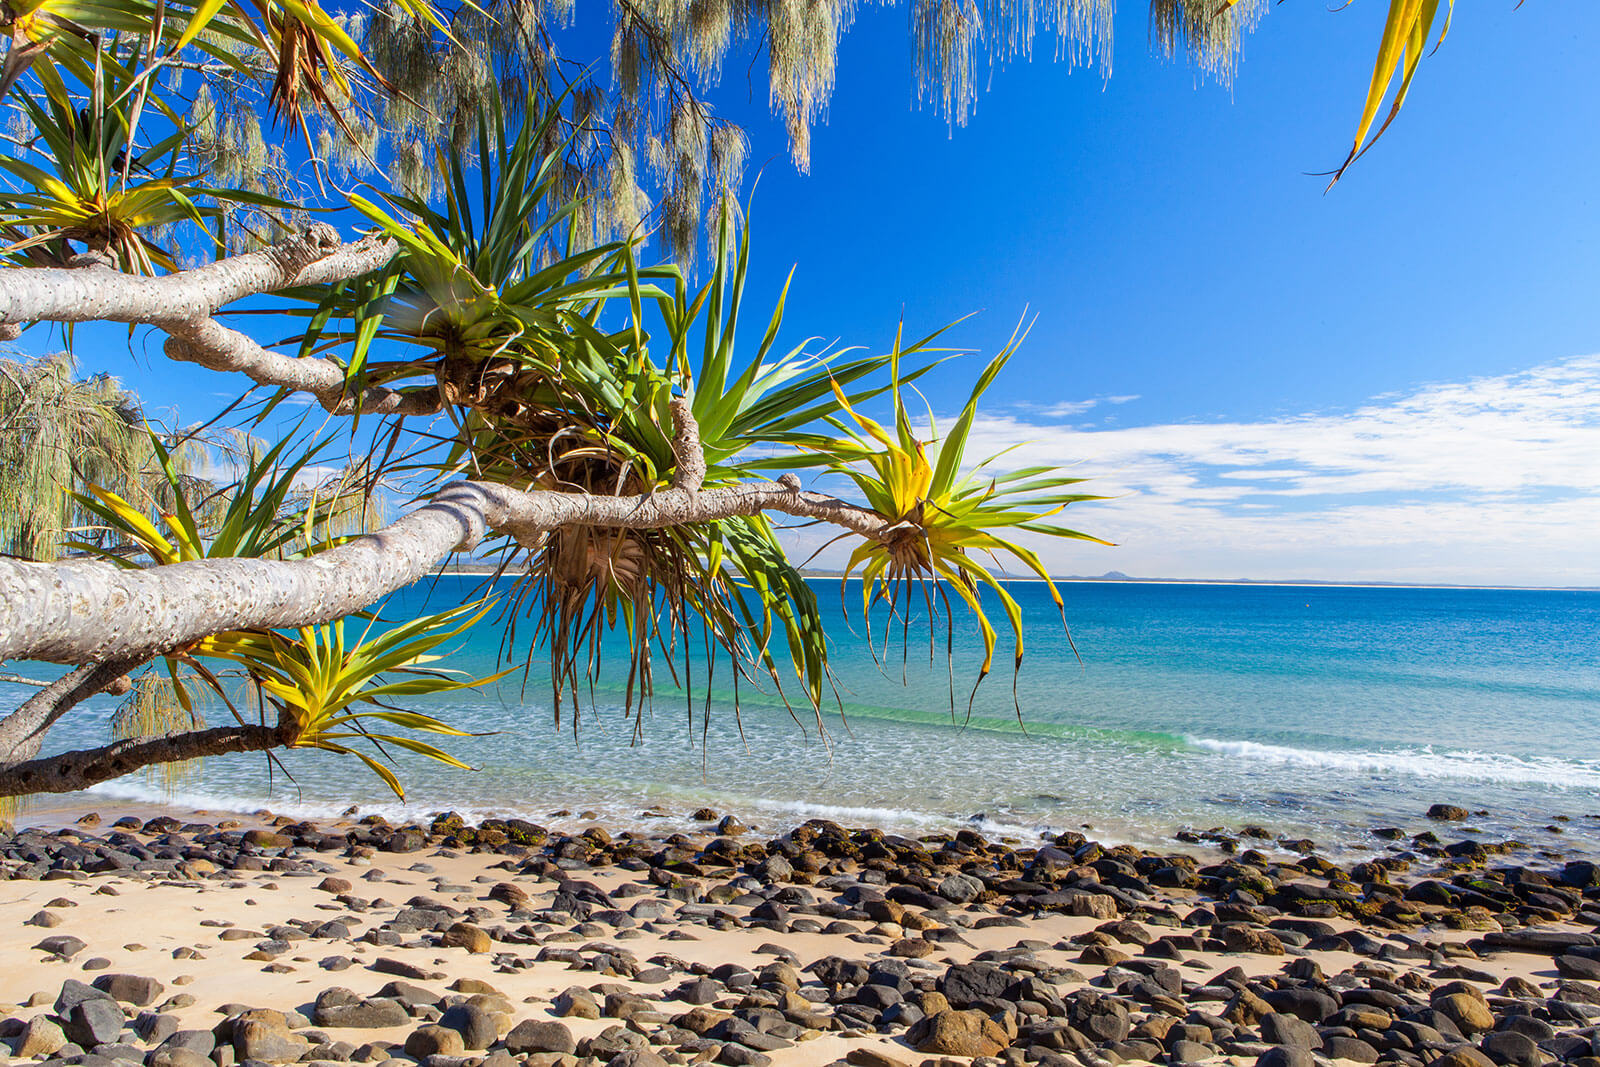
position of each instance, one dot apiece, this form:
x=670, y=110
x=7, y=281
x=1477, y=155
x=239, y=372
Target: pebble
x=1413, y=1000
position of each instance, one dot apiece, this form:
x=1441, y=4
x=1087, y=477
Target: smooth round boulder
x=433, y=1040
x=958, y=1033
x=478, y=1027
x=541, y=1035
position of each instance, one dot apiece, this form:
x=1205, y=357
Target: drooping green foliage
x=153, y=709
x=58, y=432
x=637, y=138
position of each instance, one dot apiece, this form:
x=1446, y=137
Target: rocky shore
x=193, y=942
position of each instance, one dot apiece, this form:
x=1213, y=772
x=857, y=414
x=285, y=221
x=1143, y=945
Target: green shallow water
x=1317, y=711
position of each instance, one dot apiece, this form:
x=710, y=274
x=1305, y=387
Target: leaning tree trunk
x=105, y=620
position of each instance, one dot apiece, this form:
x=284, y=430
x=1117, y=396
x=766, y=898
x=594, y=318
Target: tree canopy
x=500, y=345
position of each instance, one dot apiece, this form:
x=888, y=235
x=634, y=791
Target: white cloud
x=1490, y=480
x=1067, y=408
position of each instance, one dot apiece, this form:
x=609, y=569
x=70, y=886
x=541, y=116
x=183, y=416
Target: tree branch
x=216, y=347
x=22, y=732
x=49, y=294
x=183, y=303
x=78, y=770
x=691, y=466
x=79, y=612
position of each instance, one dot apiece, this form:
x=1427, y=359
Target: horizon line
x=1118, y=578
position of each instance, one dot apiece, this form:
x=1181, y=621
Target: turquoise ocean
x=1313, y=711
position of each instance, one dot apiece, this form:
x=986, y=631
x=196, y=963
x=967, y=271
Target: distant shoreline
x=1116, y=578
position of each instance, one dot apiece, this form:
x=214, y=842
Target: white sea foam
x=1420, y=763
x=142, y=793
x=785, y=814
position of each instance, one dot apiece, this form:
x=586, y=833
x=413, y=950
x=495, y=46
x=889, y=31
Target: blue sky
x=1384, y=382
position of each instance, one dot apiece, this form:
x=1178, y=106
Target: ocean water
x=1318, y=712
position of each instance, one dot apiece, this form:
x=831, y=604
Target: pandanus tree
x=622, y=437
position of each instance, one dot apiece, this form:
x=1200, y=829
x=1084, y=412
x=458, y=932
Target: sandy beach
x=188, y=940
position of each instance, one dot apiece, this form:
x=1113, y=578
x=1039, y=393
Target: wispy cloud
x=1067, y=408
x=1494, y=479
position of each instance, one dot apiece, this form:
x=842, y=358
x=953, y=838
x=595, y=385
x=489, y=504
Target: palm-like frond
x=74, y=187
x=307, y=50
x=1407, y=33
x=947, y=518
x=312, y=677
x=315, y=679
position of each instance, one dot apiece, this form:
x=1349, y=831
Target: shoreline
x=1532, y=836
x=222, y=939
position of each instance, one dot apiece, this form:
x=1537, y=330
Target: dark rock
x=637, y=1057
x=433, y=1040
x=870, y=1056
x=960, y=888
x=477, y=1026
x=540, y=1035
x=409, y=995
x=155, y=1028
x=1286, y=1056
x=1280, y=1029
x=199, y=1041
x=966, y=984
x=699, y=991
x=1580, y=967
x=1447, y=813
x=400, y=968
x=1462, y=1056
x=1513, y=1049
x=1340, y=1047
x=363, y=1014
x=130, y=989
x=94, y=1022
x=880, y=997
x=74, y=992
x=1303, y=1002
x=1539, y=942
x=1099, y=1018
x=406, y=840
x=64, y=945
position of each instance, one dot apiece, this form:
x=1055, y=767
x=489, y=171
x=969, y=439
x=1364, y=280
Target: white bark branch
x=48, y=294
x=182, y=304
x=216, y=347
x=82, y=612
x=690, y=471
